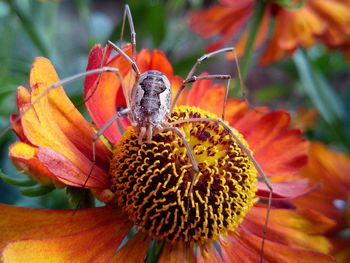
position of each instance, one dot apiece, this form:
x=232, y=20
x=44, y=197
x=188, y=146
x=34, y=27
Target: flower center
x=158, y=188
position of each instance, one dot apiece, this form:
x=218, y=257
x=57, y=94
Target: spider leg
x=61, y=83
x=122, y=53
x=127, y=14
x=94, y=138
x=251, y=157
x=189, y=154
x=217, y=76
x=194, y=67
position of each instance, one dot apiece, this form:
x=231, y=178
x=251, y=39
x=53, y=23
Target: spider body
x=150, y=102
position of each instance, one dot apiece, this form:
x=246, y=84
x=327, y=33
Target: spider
x=149, y=105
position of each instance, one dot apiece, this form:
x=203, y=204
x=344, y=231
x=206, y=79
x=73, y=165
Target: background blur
x=64, y=31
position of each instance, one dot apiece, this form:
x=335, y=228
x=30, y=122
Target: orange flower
x=304, y=118
x=221, y=219
x=332, y=170
x=328, y=21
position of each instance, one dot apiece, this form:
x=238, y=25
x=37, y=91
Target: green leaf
x=29, y=28
x=320, y=93
x=38, y=190
x=7, y=179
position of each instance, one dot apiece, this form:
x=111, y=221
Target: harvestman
x=149, y=105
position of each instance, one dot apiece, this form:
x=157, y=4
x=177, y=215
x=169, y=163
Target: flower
x=294, y=26
x=332, y=170
x=305, y=119
x=150, y=184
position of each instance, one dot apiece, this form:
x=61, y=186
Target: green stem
x=29, y=28
x=258, y=13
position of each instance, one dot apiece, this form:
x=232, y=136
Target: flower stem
x=258, y=13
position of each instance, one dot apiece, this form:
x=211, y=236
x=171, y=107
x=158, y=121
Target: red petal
x=101, y=97
x=69, y=173
x=279, y=150
x=286, y=190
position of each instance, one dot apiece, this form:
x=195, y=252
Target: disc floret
x=154, y=182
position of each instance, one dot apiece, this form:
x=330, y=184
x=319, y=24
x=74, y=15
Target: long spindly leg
x=133, y=65
x=192, y=159
x=194, y=67
x=94, y=138
x=61, y=83
x=127, y=14
x=217, y=76
x=122, y=53
x=251, y=157
x=98, y=134
x=189, y=151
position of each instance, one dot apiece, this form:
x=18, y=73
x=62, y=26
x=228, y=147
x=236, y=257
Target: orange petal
x=128, y=253
x=261, y=37
x=16, y=126
x=24, y=158
x=208, y=254
x=55, y=123
x=23, y=98
x=302, y=27
x=300, y=228
x=101, y=97
x=58, y=116
x=331, y=169
x=58, y=226
x=225, y=21
x=177, y=253
x=276, y=252
x=305, y=118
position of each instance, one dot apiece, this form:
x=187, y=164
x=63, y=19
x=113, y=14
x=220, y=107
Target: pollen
x=158, y=188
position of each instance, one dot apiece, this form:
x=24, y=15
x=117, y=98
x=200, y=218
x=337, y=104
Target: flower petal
x=286, y=190
x=101, y=97
x=331, y=169
x=24, y=158
x=300, y=228
x=177, y=253
x=55, y=227
x=58, y=115
x=69, y=173
x=207, y=96
x=270, y=138
x=53, y=121
x=217, y=20
x=276, y=252
x=128, y=253
x=209, y=254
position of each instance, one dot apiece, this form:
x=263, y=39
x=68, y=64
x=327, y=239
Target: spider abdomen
x=151, y=98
